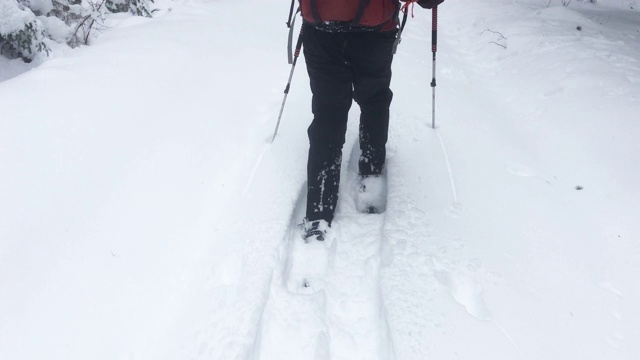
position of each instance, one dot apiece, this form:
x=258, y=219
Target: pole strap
x=289, y=24
x=405, y=11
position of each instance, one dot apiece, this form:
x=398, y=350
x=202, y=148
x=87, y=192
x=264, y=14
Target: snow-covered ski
x=333, y=285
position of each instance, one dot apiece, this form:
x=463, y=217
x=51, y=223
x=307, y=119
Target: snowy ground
x=144, y=214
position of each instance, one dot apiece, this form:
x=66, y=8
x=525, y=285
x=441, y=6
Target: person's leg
x=331, y=85
x=371, y=55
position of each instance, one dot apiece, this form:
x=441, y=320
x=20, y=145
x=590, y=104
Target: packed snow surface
x=145, y=214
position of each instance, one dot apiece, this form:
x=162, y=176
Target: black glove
x=429, y=4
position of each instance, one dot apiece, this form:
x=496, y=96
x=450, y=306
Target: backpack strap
x=405, y=12
x=361, y=6
x=314, y=11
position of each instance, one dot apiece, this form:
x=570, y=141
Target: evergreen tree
x=21, y=33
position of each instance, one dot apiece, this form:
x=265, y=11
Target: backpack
x=367, y=14
x=374, y=14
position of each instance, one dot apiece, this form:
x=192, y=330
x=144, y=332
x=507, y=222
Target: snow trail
x=446, y=159
x=258, y=161
x=293, y=326
x=355, y=310
x=157, y=226
x=344, y=317
x=418, y=198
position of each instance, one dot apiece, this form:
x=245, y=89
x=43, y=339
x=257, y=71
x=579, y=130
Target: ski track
x=355, y=311
x=392, y=279
x=293, y=326
x=409, y=285
x=428, y=275
x=345, y=318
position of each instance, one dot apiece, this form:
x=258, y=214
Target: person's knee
x=372, y=97
x=327, y=132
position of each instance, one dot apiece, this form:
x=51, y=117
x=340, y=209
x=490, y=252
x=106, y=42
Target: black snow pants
x=343, y=66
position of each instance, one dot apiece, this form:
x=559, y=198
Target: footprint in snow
x=467, y=292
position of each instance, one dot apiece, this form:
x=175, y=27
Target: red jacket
x=366, y=14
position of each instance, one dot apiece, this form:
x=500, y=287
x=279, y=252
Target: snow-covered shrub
x=39, y=7
x=87, y=16
x=21, y=33
x=26, y=25
x=136, y=7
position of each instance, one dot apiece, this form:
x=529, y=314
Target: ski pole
x=434, y=48
x=286, y=89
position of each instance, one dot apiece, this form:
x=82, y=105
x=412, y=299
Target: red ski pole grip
x=434, y=29
x=299, y=43
x=434, y=13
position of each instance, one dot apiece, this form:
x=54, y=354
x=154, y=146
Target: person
x=348, y=50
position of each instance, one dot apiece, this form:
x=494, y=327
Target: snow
x=306, y=260
x=41, y=6
x=11, y=68
x=13, y=17
x=144, y=213
x=56, y=28
x=372, y=194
